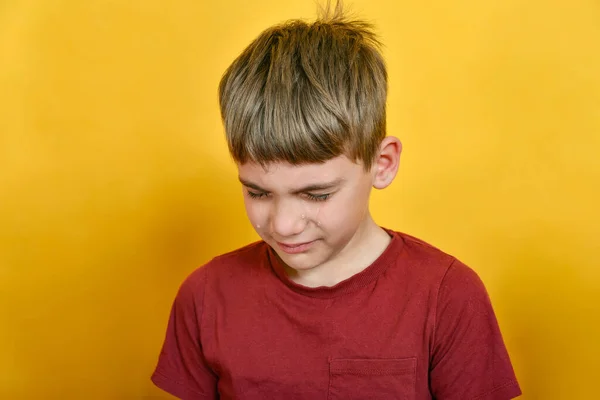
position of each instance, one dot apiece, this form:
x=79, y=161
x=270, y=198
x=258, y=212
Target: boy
x=328, y=305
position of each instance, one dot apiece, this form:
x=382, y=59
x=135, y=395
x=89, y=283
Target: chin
x=300, y=263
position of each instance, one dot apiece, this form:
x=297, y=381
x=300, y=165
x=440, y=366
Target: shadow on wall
x=93, y=267
x=538, y=92
x=195, y=220
x=550, y=310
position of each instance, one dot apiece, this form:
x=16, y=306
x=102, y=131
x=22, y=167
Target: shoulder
x=419, y=249
x=436, y=269
x=465, y=333
x=241, y=261
x=240, y=257
x=424, y=259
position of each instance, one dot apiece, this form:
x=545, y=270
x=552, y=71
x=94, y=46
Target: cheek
x=257, y=213
x=344, y=213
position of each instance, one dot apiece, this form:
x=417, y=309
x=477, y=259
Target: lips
x=295, y=248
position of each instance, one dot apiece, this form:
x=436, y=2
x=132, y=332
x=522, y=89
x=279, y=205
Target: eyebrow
x=309, y=188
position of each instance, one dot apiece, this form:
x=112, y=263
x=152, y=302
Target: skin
x=325, y=206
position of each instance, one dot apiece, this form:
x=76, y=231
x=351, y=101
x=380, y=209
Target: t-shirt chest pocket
x=360, y=379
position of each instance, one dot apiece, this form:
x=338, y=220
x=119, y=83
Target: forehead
x=291, y=175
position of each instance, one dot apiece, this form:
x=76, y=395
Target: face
x=307, y=213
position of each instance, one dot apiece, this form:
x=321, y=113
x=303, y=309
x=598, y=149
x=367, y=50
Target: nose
x=287, y=219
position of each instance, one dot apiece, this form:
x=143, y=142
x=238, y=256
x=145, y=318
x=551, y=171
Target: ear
x=385, y=166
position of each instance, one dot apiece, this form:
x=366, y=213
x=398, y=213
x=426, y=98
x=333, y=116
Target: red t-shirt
x=416, y=324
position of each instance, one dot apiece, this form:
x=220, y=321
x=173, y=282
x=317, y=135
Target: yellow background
x=115, y=181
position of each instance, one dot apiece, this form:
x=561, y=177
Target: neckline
x=355, y=282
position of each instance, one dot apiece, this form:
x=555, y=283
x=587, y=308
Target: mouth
x=295, y=248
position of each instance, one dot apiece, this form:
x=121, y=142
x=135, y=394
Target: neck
x=369, y=242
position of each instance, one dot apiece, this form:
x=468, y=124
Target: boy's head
x=304, y=114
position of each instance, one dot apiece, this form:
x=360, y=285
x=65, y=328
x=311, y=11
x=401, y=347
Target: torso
x=367, y=337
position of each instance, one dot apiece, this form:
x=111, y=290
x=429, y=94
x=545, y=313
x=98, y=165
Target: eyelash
x=312, y=197
x=256, y=195
x=318, y=197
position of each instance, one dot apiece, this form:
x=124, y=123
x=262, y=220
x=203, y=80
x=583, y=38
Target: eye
x=256, y=195
x=318, y=197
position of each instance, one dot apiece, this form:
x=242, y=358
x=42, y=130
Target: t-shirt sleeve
x=469, y=360
x=182, y=369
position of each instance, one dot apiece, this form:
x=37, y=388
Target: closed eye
x=318, y=197
x=257, y=195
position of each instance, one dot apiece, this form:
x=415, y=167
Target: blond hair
x=306, y=93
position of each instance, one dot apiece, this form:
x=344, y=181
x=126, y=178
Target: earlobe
x=387, y=163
